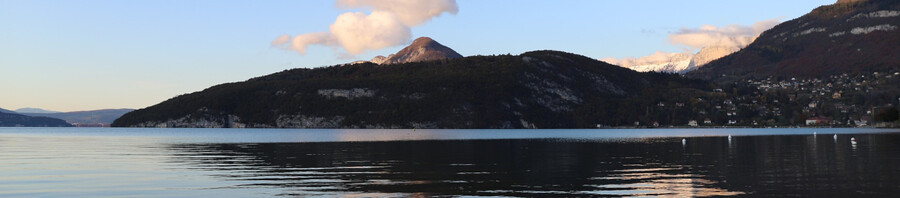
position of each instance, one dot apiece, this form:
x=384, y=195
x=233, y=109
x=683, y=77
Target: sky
x=68, y=55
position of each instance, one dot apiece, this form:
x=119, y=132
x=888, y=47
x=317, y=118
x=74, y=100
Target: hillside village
x=846, y=100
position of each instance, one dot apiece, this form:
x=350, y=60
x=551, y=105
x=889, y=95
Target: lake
x=132, y=162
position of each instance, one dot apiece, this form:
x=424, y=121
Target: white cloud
x=409, y=12
x=731, y=35
x=281, y=40
x=300, y=42
x=387, y=25
x=357, y=32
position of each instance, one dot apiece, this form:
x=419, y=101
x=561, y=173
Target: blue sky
x=88, y=54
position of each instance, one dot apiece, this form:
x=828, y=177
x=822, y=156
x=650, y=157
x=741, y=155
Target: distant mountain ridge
x=102, y=116
x=849, y=36
x=34, y=110
x=681, y=62
x=8, y=119
x=670, y=63
x=421, y=49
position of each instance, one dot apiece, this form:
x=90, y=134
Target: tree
x=887, y=115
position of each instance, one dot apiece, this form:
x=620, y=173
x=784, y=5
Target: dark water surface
x=91, y=162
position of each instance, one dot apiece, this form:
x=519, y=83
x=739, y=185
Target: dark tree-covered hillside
x=540, y=89
x=17, y=120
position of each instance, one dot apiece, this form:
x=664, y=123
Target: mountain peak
x=848, y=1
x=421, y=49
x=421, y=41
x=675, y=62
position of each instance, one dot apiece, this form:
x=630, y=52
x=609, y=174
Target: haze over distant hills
x=11, y=119
x=34, y=110
x=102, y=116
x=846, y=37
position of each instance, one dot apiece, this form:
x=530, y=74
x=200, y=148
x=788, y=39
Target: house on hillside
x=818, y=120
x=863, y=121
x=692, y=123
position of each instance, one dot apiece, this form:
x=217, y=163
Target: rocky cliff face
x=709, y=54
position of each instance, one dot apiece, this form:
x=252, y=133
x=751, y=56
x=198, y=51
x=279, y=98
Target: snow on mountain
x=709, y=54
x=670, y=67
x=674, y=62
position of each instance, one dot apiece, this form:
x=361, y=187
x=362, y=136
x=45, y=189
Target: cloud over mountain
x=388, y=24
x=731, y=37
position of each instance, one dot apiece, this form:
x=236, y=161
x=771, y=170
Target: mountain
x=422, y=49
x=17, y=120
x=676, y=62
x=2, y=110
x=660, y=62
x=103, y=116
x=850, y=36
x=34, y=110
x=709, y=54
x=538, y=89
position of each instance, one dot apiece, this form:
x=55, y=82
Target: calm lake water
x=91, y=162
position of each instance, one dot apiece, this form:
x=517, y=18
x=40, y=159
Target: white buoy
x=729, y=137
x=853, y=140
x=683, y=141
x=835, y=136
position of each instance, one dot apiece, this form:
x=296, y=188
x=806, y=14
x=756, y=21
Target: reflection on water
x=642, y=181
x=713, y=166
x=785, y=165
